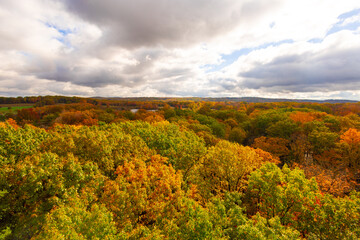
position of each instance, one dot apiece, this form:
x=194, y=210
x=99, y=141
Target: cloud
x=328, y=66
x=180, y=48
x=132, y=24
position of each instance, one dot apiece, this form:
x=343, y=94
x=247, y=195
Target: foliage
x=74, y=220
x=92, y=169
x=350, y=147
x=225, y=167
x=143, y=193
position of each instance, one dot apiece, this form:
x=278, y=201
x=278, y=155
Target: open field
x=13, y=107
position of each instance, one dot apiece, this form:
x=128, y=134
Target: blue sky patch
x=339, y=26
x=315, y=40
x=25, y=54
x=228, y=59
x=350, y=14
x=63, y=32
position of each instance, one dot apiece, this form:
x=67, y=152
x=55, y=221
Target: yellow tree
x=350, y=147
x=225, y=167
x=143, y=193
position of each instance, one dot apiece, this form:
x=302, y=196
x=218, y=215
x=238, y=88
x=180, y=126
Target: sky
x=301, y=49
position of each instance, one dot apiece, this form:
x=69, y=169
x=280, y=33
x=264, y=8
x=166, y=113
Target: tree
x=288, y=197
x=275, y=146
x=182, y=147
x=350, y=147
x=17, y=143
x=106, y=146
x=322, y=140
x=143, y=194
x=282, y=193
x=36, y=184
x=302, y=117
x=77, y=221
x=225, y=167
x=282, y=129
x=261, y=228
x=237, y=135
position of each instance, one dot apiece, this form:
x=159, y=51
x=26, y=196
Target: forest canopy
x=76, y=168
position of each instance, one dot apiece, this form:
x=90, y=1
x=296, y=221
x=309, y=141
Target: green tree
x=182, y=147
x=34, y=186
x=74, y=220
x=282, y=193
x=237, y=135
x=225, y=167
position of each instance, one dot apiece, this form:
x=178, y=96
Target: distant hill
x=228, y=99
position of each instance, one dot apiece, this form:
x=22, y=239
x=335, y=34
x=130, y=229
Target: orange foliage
x=334, y=181
x=302, y=117
x=350, y=148
x=77, y=118
x=143, y=192
x=274, y=145
x=266, y=156
x=332, y=173
x=12, y=123
x=149, y=116
x=351, y=136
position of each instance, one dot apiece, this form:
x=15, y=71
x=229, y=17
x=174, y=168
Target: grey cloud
x=136, y=23
x=98, y=77
x=225, y=84
x=104, y=74
x=328, y=71
x=174, y=73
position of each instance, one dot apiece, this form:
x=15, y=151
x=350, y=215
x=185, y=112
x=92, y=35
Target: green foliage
x=217, y=128
x=5, y=233
x=237, y=135
x=282, y=129
x=106, y=146
x=169, y=113
x=259, y=228
x=224, y=168
x=282, y=193
x=195, y=222
x=17, y=143
x=178, y=180
x=79, y=222
x=265, y=119
x=183, y=148
x=322, y=140
x=38, y=183
x=335, y=218
x=285, y=196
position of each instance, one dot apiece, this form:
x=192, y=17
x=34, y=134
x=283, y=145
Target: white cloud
x=146, y=48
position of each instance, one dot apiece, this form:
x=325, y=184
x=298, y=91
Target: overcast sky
x=205, y=48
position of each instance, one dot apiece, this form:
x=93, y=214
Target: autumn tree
x=107, y=146
x=143, y=194
x=78, y=221
x=225, y=167
x=302, y=117
x=350, y=147
x=282, y=193
x=33, y=186
x=17, y=143
x=286, y=195
x=276, y=146
x=183, y=148
x=237, y=135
